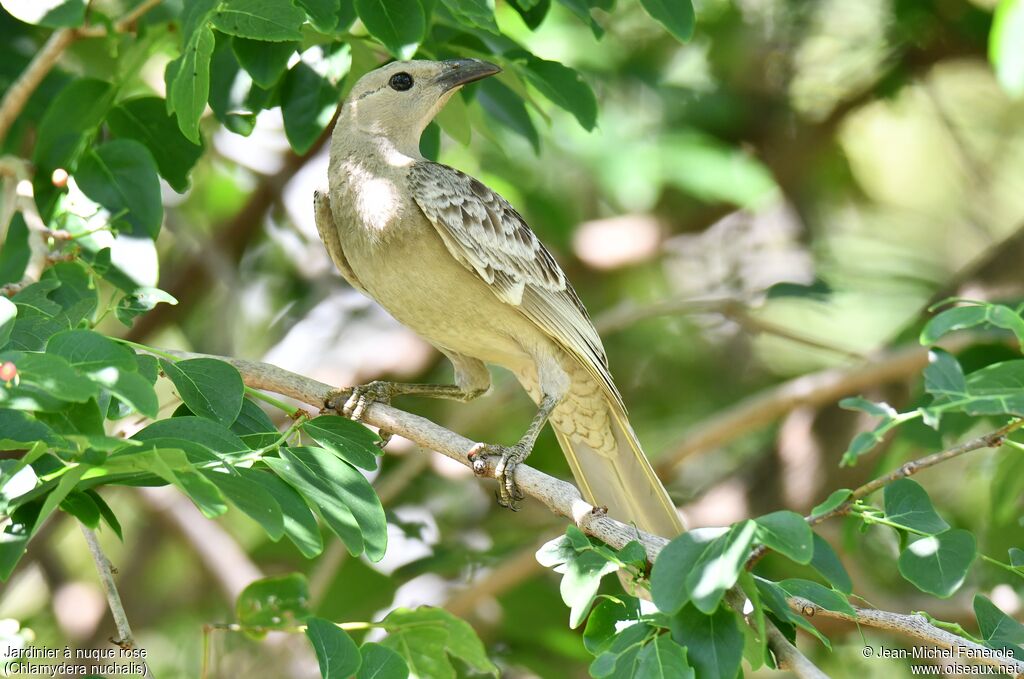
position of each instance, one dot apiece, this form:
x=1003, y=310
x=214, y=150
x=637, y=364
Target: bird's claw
x=359, y=398
x=509, y=457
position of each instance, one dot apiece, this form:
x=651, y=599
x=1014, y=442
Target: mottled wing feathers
x=485, y=233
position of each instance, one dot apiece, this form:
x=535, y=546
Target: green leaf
x=426, y=636
x=83, y=508
x=564, y=87
x=834, y=500
x=322, y=13
x=1016, y=557
x=171, y=465
x=774, y=600
x=66, y=130
x=714, y=642
x=349, y=440
x=252, y=420
x=944, y=378
x=963, y=317
x=49, y=13
x=8, y=313
x=252, y=498
x=829, y=599
x=787, y=533
x=266, y=62
x=308, y=103
x=996, y=389
x=622, y=657
x=870, y=407
x=401, y=28
x=199, y=430
x=699, y=566
x=139, y=301
x=45, y=382
x=908, y=504
x=828, y=565
x=274, y=603
x=21, y=430
x=380, y=662
x=675, y=15
x=532, y=11
x=664, y=659
x=603, y=621
x=581, y=8
x=210, y=388
x=299, y=523
x=997, y=628
x=270, y=20
x=345, y=500
x=122, y=177
x=675, y=563
x=91, y=352
x=337, y=654
x=473, y=14
x=1004, y=41
x=188, y=79
x=132, y=388
x=938, y=564
x=582, y=571
x=146, y=120
x=107, y=513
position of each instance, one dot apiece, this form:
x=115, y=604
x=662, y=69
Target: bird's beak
x=457, y=72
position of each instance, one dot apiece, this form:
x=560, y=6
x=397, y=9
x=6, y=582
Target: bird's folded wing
x=485, y=233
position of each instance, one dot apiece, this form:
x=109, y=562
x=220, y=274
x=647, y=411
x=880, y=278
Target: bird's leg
x=352, y=403
x=510, y=457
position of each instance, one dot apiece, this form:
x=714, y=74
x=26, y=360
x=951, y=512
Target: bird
x=452, y=260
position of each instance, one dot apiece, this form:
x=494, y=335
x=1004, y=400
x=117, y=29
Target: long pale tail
x=623, y=481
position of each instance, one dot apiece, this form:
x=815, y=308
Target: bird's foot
x=509, y=457
x=352, y=403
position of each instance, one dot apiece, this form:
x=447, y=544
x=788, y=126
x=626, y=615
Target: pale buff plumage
x=452, y=260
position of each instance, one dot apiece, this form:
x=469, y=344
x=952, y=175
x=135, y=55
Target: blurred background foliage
x=785, y=194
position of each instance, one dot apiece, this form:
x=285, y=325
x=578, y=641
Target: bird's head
x=398, y=100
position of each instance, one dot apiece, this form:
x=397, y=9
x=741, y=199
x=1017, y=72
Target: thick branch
x=560, y=497
x=914, y=626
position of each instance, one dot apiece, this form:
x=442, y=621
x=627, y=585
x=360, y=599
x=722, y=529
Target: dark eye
x=401, y=81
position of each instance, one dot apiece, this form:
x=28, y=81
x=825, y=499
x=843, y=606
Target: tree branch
x=43, y=62
x=559, y=496
x=914, y=626
x=814, y=389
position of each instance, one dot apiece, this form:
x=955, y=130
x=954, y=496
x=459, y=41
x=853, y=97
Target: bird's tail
x=622, y=480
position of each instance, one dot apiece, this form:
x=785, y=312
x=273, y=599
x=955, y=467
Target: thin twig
x=993, y=439
x=125, y=638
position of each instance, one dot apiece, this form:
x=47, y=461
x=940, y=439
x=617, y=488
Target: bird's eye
x=401, y=81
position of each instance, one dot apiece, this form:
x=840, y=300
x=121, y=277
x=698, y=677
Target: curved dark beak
x=461, y=71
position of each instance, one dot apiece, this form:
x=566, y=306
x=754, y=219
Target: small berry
x=8, y=371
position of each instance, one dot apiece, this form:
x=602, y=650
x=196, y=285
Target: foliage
x=126, y=133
